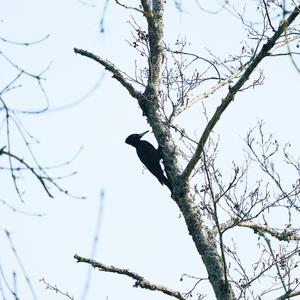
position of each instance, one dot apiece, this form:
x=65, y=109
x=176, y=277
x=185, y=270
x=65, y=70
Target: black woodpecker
x=149, y=156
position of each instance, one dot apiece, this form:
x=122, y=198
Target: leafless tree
x=18, y=159
x=213, y=205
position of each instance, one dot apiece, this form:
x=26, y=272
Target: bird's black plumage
x=149, y=156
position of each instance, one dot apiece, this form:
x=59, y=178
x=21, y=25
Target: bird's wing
x=147, y=153
x=150, y=157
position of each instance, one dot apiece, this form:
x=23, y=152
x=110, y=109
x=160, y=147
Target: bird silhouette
x=149, y=156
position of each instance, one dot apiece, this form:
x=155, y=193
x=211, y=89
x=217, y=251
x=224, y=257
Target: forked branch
x=28, y=167
x=234, y=90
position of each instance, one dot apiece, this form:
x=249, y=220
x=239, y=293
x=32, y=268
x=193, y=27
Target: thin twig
x=40, y=178
x=129, y=7
x=267, y=240
x=95, y=244
x=268, y=16
x=54, y=288
x=8, y=235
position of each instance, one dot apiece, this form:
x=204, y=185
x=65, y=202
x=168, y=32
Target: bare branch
x=117, y=74
x=40, y=178
x=95, y=244
x=286, y=41
x=268, y=16
x=210, y=91
x=281, y=235
x=215, y=214
x=14, y=209
x=284, y=235
x=24, y=43
x=234, y=90
x=278, y=269
x=21, y=265
x=140, y=281
x=54, y=288
x=288, y=295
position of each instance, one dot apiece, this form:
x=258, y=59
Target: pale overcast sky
x=141, y=228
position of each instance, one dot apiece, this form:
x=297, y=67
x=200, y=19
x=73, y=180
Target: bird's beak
x=143, y=133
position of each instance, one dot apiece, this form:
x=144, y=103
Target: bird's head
x=134, y=139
